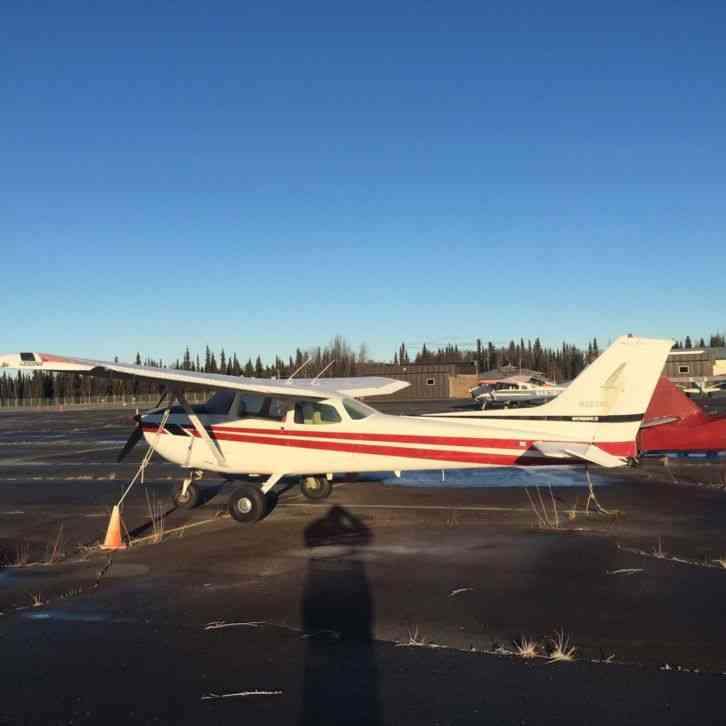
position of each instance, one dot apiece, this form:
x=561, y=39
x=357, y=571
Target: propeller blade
x=134, y=439
x=137, y=433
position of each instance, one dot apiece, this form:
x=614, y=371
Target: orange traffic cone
x=114, y=540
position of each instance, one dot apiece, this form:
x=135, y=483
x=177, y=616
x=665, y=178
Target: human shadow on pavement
x=341, y=676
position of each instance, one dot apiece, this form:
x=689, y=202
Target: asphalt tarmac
x=395, y=601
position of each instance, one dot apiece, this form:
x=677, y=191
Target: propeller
x=137, y=434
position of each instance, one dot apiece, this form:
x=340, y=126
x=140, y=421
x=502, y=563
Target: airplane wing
x=322, y=388
x=571, y=450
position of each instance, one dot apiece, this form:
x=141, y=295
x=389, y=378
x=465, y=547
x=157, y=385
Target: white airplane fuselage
x=378, y=442
x=310, y=427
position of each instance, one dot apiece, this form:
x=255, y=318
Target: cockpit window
x=254, y=406
x=250, y=405
x=357, y=410
x=277, y=409
x=219, y=403
x=309, y=412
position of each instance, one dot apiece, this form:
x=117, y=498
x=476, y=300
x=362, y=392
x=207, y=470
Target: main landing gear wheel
x=247, y=504
x=189, y=499
x=316, y=487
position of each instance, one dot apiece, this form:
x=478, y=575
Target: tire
x=247, y=504
x=316, y=487
x=191, y=499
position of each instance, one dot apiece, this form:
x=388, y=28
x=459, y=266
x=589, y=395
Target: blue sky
x=265, y=177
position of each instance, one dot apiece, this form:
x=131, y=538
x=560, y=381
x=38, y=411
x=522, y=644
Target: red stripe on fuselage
x=616, y=448
x=387, y=438
x=273, y=438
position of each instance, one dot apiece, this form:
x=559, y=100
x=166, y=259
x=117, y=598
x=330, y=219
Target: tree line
x=337, y=358
x=715, y=341
x=558, y=364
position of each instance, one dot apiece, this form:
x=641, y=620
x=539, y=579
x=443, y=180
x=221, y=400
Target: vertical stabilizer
x=618, y=383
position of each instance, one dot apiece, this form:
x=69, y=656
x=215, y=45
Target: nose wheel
x=316, y=487
x=186, y=494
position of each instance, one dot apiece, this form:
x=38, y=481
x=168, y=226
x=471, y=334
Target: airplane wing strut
x=203, y=433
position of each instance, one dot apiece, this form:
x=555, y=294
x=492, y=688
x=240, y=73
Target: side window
x=254, y=406
x=684, y=369
x=328, y=414
x=303, y=412
x=250, y=405
x=278, y=408
x=315, y=414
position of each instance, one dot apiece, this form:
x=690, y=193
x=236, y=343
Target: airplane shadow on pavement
x=341, y=677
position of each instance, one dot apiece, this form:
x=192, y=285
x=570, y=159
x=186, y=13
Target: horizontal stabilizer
x=660, y=421
x=573, y=450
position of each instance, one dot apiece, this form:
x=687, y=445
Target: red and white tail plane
x=316, y=428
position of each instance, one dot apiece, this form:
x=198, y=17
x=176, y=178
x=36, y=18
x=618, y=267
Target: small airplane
x=315, y=428
x=515, y=391
x=702, y=387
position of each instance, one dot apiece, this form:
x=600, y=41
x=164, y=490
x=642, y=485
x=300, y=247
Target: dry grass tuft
x=156, y=508
x=56, y=552
x=73, y=592
x=545, y=518
x=415, y=639
x=526, y=648
x=36, y=600
x=561, y=648
x=22, y=554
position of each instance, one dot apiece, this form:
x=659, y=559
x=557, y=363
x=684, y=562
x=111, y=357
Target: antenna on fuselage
x=297, y=370
x=332, y=362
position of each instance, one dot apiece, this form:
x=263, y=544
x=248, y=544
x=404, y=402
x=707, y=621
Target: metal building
x=683, y=364
x=429, y=381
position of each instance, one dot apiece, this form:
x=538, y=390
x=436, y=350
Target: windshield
x=356, y=409
x=218, y=404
